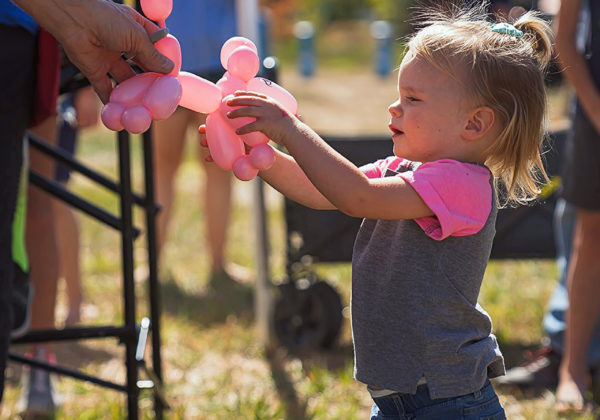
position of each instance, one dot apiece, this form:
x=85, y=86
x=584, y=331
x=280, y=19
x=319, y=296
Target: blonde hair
x=506, y=74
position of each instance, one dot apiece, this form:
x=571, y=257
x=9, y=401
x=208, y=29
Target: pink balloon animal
x=137, y=101
x=239, y=57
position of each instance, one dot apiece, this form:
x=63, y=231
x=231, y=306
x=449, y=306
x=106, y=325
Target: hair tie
x=506, y=28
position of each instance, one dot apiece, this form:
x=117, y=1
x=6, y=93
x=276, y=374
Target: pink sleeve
x=377, y=169
x=459, y=194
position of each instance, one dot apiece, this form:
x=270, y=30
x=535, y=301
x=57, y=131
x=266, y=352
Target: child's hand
x=204, y=142
x=271, y=118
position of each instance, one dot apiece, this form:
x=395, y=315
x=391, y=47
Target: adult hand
x=94, y=33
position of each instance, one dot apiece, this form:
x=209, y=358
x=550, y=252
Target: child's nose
x=395, y=109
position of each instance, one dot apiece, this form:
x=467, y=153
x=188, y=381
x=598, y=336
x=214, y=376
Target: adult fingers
x=146, y=54
x=102, y=85
x=120, y=70
x=147, y=24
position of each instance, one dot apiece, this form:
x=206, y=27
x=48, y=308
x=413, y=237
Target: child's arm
x=340, y=181
x=287, y=177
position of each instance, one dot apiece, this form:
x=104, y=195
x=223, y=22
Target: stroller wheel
x=308, y=319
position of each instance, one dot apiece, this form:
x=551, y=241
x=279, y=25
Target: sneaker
x=21, y=303
x=540, y=371
x=37, y=396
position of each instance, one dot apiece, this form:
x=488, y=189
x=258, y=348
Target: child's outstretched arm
x=288, y=178
x=338, y=180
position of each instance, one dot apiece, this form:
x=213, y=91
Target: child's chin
x=398, y=152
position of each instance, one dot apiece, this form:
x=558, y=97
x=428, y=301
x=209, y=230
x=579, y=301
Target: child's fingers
x=248, y=128
x=249, y=93
x=202, y=132
x=209, y=158
x=246, y=101
x=248, y=111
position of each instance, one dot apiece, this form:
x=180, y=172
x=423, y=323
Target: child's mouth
x=395, y=131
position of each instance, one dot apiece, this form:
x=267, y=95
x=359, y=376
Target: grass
x=214, y=364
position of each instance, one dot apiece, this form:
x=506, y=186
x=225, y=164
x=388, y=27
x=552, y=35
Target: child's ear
x=480, y=121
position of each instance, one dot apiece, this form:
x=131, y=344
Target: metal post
x=381, y=31
x=153, y=284
x=305, y=34
x=128, y=283
x=262, y=291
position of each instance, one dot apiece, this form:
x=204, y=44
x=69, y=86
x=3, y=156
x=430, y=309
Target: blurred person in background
x=571, y=349
x=94, y=34
x=201, y=28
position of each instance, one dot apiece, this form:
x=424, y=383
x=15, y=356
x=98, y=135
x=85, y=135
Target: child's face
x=427, y=119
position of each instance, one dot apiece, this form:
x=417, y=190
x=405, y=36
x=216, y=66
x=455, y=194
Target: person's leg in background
x=169, y=140
x=67, y=225
x=540, y=371
x=17, y=66
x=584, y=309
x=78, y=110
x=42, y=248
x=554, y=321
x=216, y=195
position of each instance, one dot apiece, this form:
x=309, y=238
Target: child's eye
x=411, y=99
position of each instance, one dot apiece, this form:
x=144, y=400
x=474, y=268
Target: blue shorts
x=482, y=404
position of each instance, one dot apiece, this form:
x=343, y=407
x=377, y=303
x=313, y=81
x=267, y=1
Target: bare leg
x=67, y=230
x=41, y=235
x=584, y=308
x=217, y=203
x=169, y=136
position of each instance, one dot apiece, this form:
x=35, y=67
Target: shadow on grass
x=72, y=355
x=294, y=408
x=222, y=299
x=334, y=360
x=514, y=351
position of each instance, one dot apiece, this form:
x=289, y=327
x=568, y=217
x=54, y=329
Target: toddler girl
x=469, y=118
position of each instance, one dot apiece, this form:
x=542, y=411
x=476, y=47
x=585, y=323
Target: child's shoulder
x=389, y=166
x=393, y=165
x=451, y=166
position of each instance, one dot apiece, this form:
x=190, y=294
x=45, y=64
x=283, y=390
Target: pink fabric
x=459, y=194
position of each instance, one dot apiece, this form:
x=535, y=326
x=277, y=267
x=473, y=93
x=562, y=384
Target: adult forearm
x=94, y=33
x=56, y=16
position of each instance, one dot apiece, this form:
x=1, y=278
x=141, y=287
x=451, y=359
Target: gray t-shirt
x=414, y=302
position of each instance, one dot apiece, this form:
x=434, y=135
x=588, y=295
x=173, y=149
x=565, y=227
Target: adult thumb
x=150, y=59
